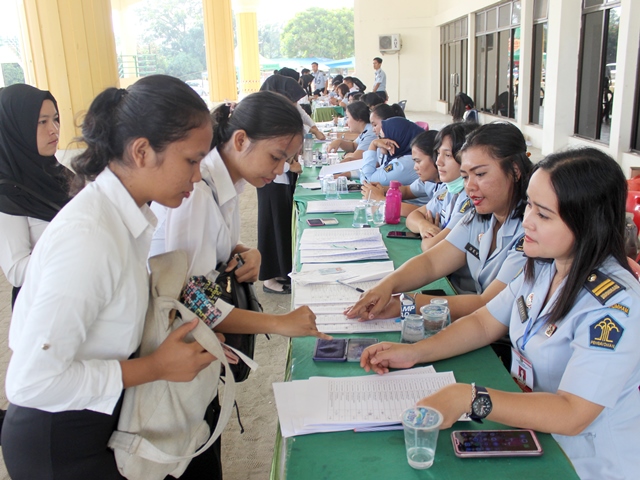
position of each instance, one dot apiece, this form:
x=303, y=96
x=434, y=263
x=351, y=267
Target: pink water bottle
x=392, y=206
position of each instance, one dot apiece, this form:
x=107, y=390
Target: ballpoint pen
x=350, y=286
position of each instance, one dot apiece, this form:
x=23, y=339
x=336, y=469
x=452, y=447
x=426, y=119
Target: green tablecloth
x=326, y=114
x=381, y=455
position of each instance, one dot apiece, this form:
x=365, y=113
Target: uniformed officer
x=572, y=320
x=496, y=171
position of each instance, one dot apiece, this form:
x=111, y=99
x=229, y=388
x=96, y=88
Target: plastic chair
x=634, y=267
x=423, y=125
x=633, y=205
x=402, y=104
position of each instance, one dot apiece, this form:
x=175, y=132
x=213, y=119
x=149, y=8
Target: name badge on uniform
x=522, y=309
x=521, y=371
x=472, y=250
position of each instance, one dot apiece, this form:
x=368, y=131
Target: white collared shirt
x=18, y=236
x=207, y=230
x=81, y=309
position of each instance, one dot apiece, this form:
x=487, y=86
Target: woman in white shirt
x=33, y=185
x=248, y=147
x=80, y=314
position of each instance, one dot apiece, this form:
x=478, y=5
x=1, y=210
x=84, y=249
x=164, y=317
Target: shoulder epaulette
x=520, y=245
x=602, y=287
x=465, y=205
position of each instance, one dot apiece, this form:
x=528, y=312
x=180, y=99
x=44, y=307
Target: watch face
x=482, y=406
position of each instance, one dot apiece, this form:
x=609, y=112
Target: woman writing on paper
x=488, y=240
x=570, y=319
x=80, y=313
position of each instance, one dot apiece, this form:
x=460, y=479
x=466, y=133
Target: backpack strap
x=34, y=194
x=136, y=445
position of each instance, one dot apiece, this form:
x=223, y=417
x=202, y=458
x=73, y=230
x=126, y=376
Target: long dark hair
x=592, y=193
x=457, y=132
x=426, y=143
x=359, y=111
x=160, y=108
x=460, y=103
x=262, y=115
x=505, y=143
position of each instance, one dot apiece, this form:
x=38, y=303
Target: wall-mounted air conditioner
x=390, y=43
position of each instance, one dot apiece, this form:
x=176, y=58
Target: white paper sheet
x=322, y=404
x=332, y=206
x=341, y=168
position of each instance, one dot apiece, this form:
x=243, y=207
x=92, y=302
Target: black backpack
x=358, y=83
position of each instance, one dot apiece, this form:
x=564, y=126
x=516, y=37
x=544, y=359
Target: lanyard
x=527, y=332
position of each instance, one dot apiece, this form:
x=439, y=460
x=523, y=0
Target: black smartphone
x=354, y=187
x=495, y=443
x=398, y=234
x=436, y=292
x=315, y=222
x=334, y=350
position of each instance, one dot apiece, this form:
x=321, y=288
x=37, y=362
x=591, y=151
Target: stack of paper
x=332, y=206
x=323, y=404
x=342, y=245
x=330, y=288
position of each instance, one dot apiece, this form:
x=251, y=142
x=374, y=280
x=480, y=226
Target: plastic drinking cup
x=360, y=216
x=421, y=427
x=342, y=185
x=331, y=192
x=435, y=318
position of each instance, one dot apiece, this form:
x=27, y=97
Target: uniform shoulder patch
x=520, y=245
x=442, y=195
x=605, y=333
x=388, y=168
x=601, y=286
x=472, y=250
x=465, y=205
x=621, y=307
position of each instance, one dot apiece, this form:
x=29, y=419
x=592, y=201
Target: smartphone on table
x=409, y=235
x=495, y=443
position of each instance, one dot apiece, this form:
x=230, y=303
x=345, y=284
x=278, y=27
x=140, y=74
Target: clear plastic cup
x=435, y=318
x=377, y=213
x=360, y=216
x=343, y=188
x=331, y=192
x=421, y=427
x=412, y=329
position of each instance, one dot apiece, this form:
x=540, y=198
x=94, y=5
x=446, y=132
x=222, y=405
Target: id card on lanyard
x=521, y=367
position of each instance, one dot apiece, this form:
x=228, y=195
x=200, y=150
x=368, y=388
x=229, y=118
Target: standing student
x=80, y=314
x=380, y=79
x=33, y=185
x=488, y=240
x=247, y=147
x=450, y=202
x=575, y=342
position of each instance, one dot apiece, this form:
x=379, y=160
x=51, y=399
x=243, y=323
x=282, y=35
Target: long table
x=374, y=455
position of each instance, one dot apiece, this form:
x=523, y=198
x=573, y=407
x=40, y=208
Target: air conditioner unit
x=390, y=43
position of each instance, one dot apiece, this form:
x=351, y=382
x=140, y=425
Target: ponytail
x=262, y=115
x=160, y=108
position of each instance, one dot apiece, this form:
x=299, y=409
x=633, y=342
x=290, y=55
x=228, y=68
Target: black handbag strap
x=34, y=194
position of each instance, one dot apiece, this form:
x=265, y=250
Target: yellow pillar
x=72, y=53
x=247, y=31
x=218, y=37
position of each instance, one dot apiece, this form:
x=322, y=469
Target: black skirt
x=275, y=207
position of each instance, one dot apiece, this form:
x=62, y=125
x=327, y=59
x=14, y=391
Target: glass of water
x=421, y=427
x=360, y=216
x=377, y=213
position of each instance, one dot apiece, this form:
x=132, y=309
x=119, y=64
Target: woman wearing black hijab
x=33, y=185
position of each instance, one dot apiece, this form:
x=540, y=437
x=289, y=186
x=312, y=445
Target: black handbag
x=243, y=296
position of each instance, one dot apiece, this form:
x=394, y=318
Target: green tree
x=174, y=30
x=12, y=74
x=318, y=32
x=269, y=40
